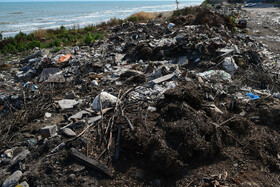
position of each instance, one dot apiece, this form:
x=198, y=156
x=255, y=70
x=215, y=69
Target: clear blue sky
x=71, y=0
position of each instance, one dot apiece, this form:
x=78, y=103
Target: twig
x=189, y=183
x=129, y=123
x=227, y=121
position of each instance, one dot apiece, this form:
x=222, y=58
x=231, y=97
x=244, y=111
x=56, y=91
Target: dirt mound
x=202, y=15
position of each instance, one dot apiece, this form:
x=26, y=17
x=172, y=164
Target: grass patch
x=51, y=38
x=133, y=19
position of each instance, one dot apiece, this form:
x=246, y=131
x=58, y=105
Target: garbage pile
x=154, y=104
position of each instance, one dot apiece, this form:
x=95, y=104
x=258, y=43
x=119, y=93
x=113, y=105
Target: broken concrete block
x=13, y=179
x=48, y=131
x=68, y=132
x=67, y=103
x=163, y=78
x=106, y=99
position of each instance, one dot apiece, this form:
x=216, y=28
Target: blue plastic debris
x=252, y=96
x=30, y=142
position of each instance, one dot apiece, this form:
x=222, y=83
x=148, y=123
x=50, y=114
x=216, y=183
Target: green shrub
x=51, y=38
x=88, y=39
x=90, y=28
x=62, y=27
x=56, y=49
x=92, y=37
x=57, y=42
x=33, y=44
x=21, y=46
x=133, y=19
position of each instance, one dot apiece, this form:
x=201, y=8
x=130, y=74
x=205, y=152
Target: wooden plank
x=90, y=162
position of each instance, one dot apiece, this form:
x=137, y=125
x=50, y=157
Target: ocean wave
x=16, y=13
x=32, y=24
x=6, y=23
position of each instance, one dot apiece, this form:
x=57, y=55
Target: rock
x=146, y=52
x=48, y=115
x=12, y=180
x=68, y=132
x=70, y=95
x=48, y=131
x=94, y=83
x=47, y=72
x=229, y=65
x=106, y=100
x=183, y=61
x=128, y=74
x=71, y=177
x=67, y=103
x=20, y=157
x=151, y=109
x=79, y=115
x=24, y=184
x=171, y=25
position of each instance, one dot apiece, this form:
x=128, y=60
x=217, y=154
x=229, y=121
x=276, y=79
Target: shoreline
x=89, y=17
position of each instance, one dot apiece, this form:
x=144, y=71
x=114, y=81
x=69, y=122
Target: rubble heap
x=153, y=104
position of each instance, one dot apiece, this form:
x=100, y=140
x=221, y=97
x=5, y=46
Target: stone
x=183, y=61
x=79, y=115
x=48, y=131
x=47, y=72
x=67, y=103
x=94, y=83
x=68, y=132
x=71, y=177
x=70, y=95
x=12, y=180
x=152, y=109
x=24, y=184
x=48, y=115
x=229, y=65
x=106, y=100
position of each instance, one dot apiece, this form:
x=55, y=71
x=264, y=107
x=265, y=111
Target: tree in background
x=1, y=36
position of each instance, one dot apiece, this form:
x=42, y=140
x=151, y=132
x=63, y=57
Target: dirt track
x=264, y=24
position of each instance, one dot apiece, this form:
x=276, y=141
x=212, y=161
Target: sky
x=71, y=0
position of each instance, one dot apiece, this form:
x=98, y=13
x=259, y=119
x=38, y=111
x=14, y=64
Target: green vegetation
x=1, y=36
x=133, y=19
x=52, y=38
x=57, y=38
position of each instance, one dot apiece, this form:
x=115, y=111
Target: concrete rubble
x=151, y=101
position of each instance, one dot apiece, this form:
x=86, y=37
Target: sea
x=29, y=16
